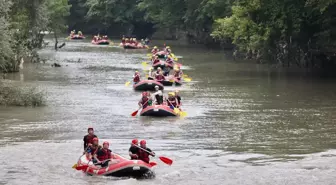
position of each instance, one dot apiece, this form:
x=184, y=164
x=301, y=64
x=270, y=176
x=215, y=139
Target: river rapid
x=245, y=125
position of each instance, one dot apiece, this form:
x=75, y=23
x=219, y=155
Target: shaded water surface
x=245, y=125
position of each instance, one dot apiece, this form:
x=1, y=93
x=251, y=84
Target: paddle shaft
x=144, y=150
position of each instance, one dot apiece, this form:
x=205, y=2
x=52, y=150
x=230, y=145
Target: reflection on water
x=252, y=125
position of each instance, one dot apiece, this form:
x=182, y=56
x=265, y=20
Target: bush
x=20, y=96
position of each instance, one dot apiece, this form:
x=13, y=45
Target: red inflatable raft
x=171, y=82
x=162, y=64
x=147, y=85
x=77, y=37
x=133, y=46
x=101, y=42
x=120, y=167
x=161, y=54
x=158, y=111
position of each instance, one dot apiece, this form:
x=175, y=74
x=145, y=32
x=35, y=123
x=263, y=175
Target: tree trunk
x=56, y=40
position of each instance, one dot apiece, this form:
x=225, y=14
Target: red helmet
x=106, y=143
x=95, y=139
x=142, y=142
x=135, y=141
x=90, y=128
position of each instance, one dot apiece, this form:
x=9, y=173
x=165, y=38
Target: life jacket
x=177, y=74
x=143, y=155
x=160, y=77
x=104, y=154
x=93, y=150
x=172, y=101
x=170, y=61
x=156, y=61
x=88, y=139
x=144, y=102
x=136, y=79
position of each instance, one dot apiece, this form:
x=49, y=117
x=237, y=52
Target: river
x=245, y=125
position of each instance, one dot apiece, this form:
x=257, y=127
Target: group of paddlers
x=133, y=41
x=73, y=33
x=103, y=156
x=157, y=98
x=98, y=37
x=160, y=75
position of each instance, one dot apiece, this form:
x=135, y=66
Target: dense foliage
x=21, y=26
x=301, y=32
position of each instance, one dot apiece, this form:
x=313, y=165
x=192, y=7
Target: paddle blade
x=144, y=64
x=183, y=114
x=149, y=54
x=166, y=160
x=74, y=166
x=147, y=76
x=82, y=167
x=127, y=83
x=135, y=113
x=153, y=163
x=176, y=110
x=187, y=79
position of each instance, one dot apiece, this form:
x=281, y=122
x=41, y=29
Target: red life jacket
x=144, y=102
x=144, y=156
x=89, y=138
x=104, y=154
x=160, y=77
x=170, y=61
x=136, y=78
x=177, y=74
x=156, y=61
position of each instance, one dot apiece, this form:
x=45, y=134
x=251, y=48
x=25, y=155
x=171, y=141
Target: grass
x=11, y=95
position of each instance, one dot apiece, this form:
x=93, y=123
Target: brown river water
x=245, y=125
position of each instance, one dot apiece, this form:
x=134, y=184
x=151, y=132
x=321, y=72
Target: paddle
x=187, y=79
x=75, y=165
x=178, y=111
x=136, y=112
x=163, y=159
x=153, y=163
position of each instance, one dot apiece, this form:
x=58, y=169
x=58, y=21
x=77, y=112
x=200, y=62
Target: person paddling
x=104, y=154
x=167, y=50
x=172, y=102
x=150, y=73
x=178, y=73
x=136, y=77
x=157, y=72
x=155, y=50
x=156, y=60
x=144, y=155
x=88, y=139
x=178, y=98
x=144, y=100
x=158, y=95
x=134, y=150
x=160, y=77
x=166, y=70
x=170, y=60
x=92, y=150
